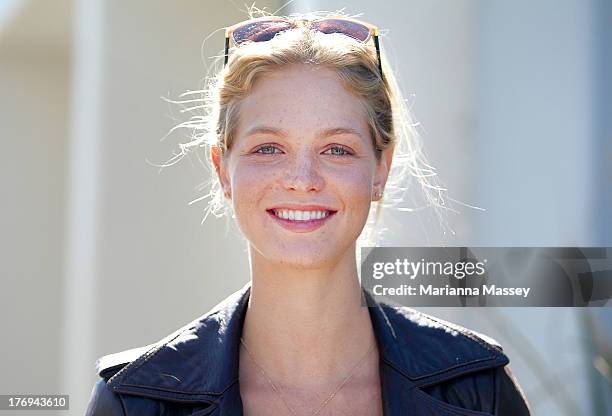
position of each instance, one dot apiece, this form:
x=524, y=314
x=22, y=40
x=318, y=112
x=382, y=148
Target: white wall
x=34, y=84
x=534, y=143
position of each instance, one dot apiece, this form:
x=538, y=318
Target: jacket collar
x=199, y=362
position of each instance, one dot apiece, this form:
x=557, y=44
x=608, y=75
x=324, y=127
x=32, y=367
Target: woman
x=305, y=123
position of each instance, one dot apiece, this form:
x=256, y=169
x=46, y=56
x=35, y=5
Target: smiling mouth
x=301, y=216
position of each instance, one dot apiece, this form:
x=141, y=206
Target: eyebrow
x=333, y=131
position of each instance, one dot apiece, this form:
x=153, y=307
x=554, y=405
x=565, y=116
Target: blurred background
x=102, y=252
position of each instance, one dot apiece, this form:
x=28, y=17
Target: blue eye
x=268, y=149
x=340, y=151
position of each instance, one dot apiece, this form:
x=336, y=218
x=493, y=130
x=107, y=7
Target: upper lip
x=303, y=207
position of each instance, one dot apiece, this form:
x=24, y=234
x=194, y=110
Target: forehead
x=302, y=97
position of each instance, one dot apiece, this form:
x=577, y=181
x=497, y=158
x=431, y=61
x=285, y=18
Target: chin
x=312, y=255
x=307, y=263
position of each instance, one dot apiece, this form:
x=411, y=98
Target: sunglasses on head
x=265, y=28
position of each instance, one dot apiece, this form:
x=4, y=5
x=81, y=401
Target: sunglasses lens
x=259, y=31
x=348, y=28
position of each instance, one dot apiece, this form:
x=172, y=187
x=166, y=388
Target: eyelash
x=347, y=151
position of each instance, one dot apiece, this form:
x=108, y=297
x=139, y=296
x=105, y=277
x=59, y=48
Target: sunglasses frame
x=295, y=23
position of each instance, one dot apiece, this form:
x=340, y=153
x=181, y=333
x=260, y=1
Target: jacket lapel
x=418, y=350
x=428, y=350
x=198, y=364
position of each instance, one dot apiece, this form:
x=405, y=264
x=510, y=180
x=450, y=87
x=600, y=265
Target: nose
x=303, y=174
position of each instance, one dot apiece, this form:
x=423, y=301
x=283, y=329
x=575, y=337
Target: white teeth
x=294, y=215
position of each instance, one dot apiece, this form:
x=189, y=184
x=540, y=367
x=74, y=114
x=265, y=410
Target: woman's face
x=302, y=145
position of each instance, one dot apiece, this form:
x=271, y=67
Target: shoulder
x=417, y=323
x=110, y=364
x=438, y=342
x=103, y=401
x=456, y=365
x=427, y=349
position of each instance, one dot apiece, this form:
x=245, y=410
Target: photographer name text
x=453, y=271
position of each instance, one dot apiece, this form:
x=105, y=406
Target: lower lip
x=301, y=226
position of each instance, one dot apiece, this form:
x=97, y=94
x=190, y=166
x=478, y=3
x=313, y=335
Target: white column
x=82, y=220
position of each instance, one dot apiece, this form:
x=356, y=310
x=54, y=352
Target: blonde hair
x=356, y=64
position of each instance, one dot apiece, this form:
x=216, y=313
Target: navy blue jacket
x=427, y=367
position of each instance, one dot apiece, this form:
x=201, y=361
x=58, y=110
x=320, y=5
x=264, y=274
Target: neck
x=306, y=326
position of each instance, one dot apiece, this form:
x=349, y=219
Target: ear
x=220, y=163
x=383, y=166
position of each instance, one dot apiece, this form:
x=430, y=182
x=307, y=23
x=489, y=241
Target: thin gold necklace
x=326, y=401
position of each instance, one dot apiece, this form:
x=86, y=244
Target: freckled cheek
x=355, y=188
x=249, y=185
